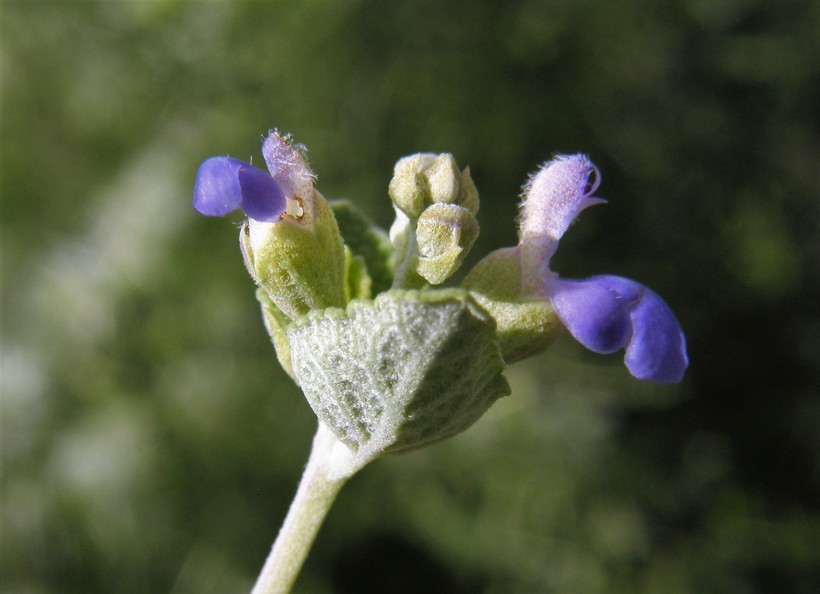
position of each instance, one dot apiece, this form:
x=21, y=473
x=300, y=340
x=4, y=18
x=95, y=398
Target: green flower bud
x=424, y=179
x=435, y=222
x=468, y=195
x=400, y=372
x=444, y=234
x=526, y=325
x=409, y=189
x=444, y=179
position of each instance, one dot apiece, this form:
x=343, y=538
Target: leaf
x=367, y=240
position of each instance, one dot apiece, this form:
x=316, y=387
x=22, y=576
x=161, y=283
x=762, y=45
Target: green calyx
x=300, y=260
x=526, y=326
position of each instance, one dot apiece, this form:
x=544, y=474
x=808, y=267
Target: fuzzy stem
x=330, y=464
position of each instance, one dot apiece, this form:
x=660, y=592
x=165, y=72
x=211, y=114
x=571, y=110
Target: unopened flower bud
x=424, y=179
x=444, y=233
x=468, y=196
x=409, y=189
x=444, y=179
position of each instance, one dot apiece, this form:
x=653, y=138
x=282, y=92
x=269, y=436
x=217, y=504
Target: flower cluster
x=387, y=358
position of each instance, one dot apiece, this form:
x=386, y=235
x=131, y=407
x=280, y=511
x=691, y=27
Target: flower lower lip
x=225, y=184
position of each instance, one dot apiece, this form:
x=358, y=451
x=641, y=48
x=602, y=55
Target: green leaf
x=359, y=283
x=368, y=241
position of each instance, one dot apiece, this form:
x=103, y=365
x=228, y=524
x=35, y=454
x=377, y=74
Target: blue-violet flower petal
x=657, y=351
x=224, y=184
x=592, y=313
x=606, y=313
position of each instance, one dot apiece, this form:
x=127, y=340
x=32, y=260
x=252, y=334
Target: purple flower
x=604, y=313
x=224, y=184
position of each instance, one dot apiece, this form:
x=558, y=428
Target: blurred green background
x=150, y=441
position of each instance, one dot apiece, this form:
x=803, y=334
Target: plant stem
x=403, y=236
x=330, y=464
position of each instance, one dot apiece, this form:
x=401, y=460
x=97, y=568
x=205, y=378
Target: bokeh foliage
x=151, y=443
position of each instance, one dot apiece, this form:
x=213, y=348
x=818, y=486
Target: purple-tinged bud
x=444, y=234
x=224, y=184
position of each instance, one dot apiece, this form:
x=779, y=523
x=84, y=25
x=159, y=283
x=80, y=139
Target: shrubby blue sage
x=388, y=358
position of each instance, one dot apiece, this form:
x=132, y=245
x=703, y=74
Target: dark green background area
x=152, y=444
